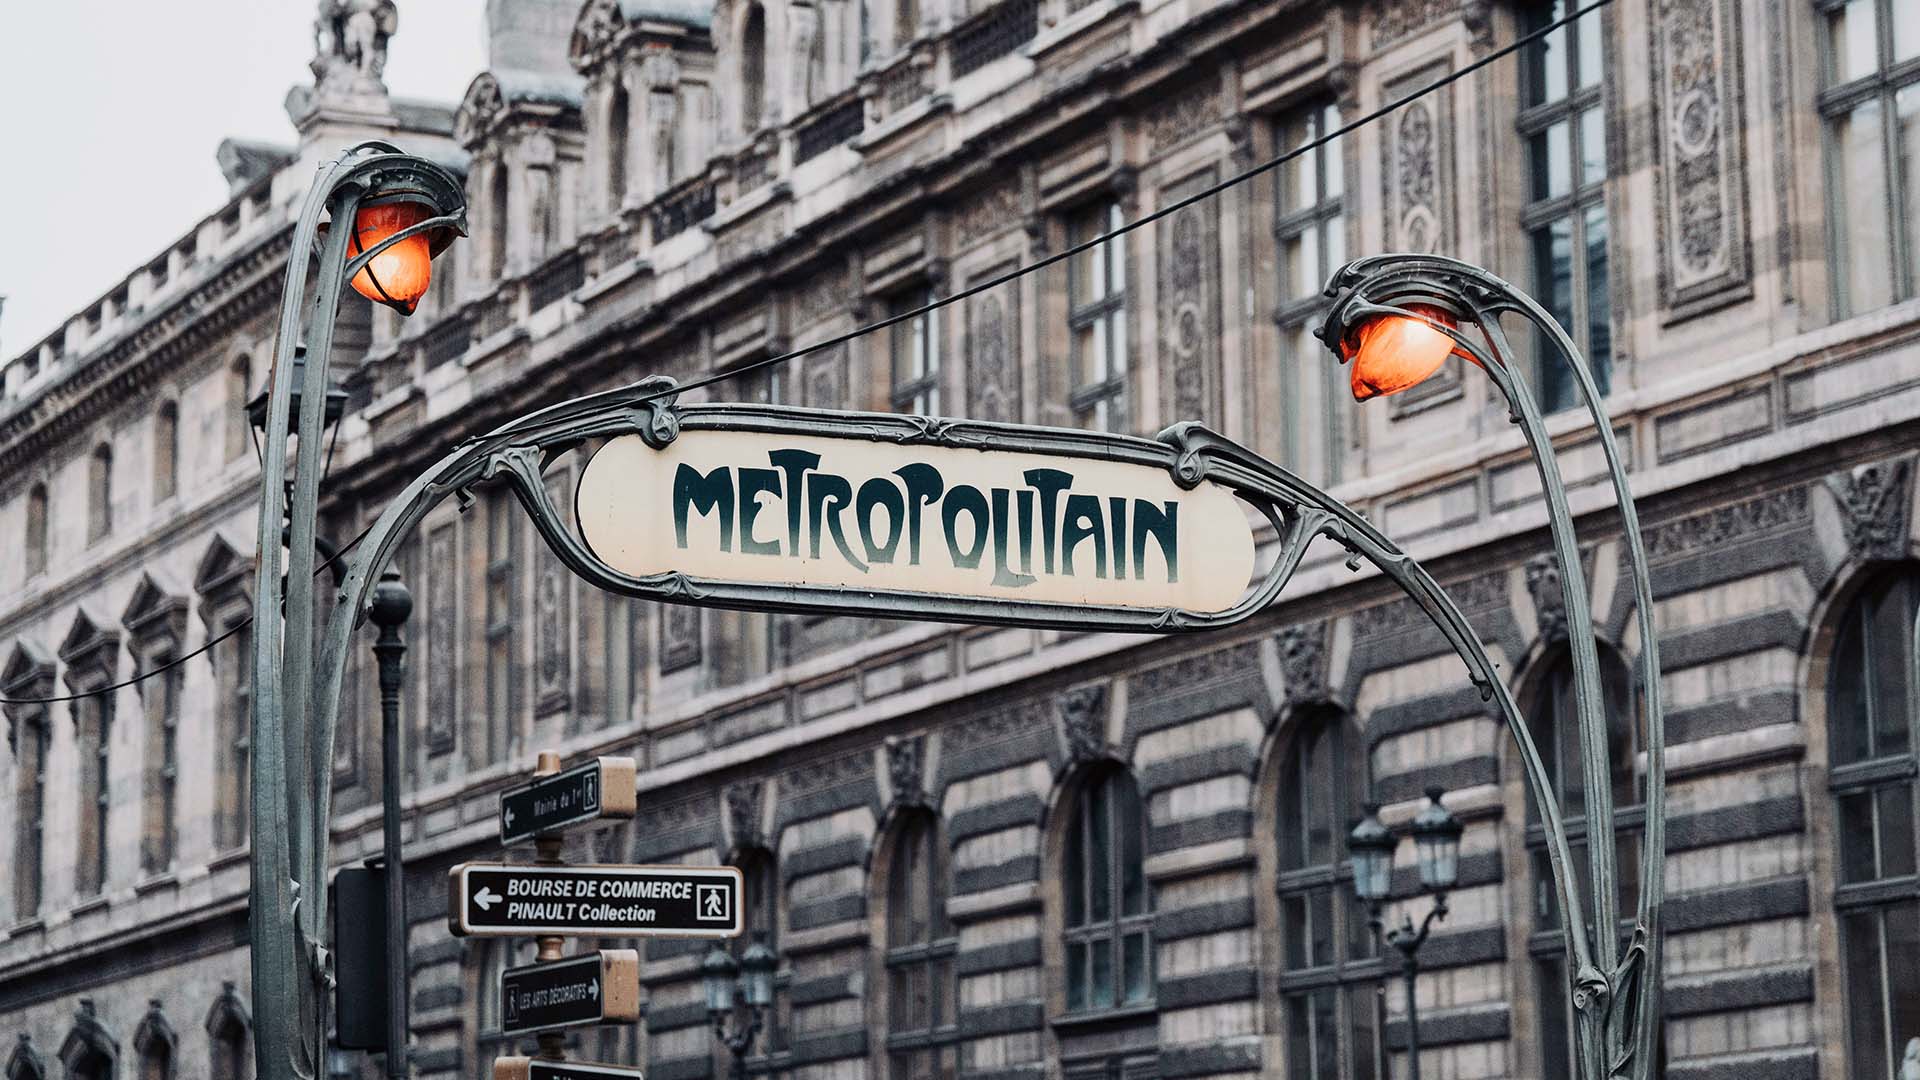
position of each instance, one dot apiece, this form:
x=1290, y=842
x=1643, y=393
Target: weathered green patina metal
x=1618, y=1006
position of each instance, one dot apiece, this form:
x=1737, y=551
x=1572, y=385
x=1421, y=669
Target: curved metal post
x=291, y=774
x=1619, y=1002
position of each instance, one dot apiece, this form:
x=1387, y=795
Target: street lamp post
x=1436, y=837
x=391, y=605
x=731, y=983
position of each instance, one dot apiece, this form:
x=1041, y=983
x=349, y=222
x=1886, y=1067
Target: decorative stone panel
x=1189, y=304
x=1700, y=156
x=442, y=639
x=993, y=352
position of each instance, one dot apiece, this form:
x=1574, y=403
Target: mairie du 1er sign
x=855, y=513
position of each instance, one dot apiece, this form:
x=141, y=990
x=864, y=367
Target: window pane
x=1320, y=927
x=1076, y=883
x=1117, y=354
x=1138, y=969
x=1599, y=343
x=1550, y=990
x=1856, y=837
x=1300, y=178
x=1336, y=245
x=1866, y=993
x=1326, y=1032
x=1300, y=263
x=1590, y=33
x=1547, y=156
x=1547, y=58
x=941, y=974
x=1362, y=1004
x=1335, y=168
x=1896, y=833
x=1076, y=975
x=1099, y=854
x=1553, y=281
x=1319, y=797
x=1903, y=974
x=1102, y=996
x=1854, y=34
x=1299, y=1044
x=1133, y=878
x=1116, y=251
x=1888, y=635
x=1360, y=937
x=1906, y=118
x=1906, y=31
x=1847, y=695
x=1294, y=919
x=1860, y=208
x=1593, y=146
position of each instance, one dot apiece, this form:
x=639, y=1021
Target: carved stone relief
x=743, y=813
x=1189, y=305
x=1188, y=113
x=1549, y=600
x=442, y=639
x=1876, y=501
x=1725, y=524
x=1417, y=177
x=826, y=379
x=1303, y=663
x=1397, y=20
x=987, y=213
x=906, y=767
x=679, y=637
x=1700, y=155
x=992, y=348
x=1083, y=712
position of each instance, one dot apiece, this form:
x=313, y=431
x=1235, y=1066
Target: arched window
x=229, y=1030
x=89, y=1052
x=1554, y=723
x=1871, y=739
x=619, y=116
x=753, y=69
x=154, y=1041
x=1109, y=914
x=921, y=1031
x=99, y=492
x=1329, y=1000
x=24, y=1063
x=36, y=529
x=239, y=379
x=166, y=451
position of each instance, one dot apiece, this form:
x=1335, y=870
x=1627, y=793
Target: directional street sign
x=498, y=900
x=589, y=792
x=595, y=988
x=521, y=1068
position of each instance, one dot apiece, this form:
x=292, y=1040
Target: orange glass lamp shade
x=1391, y=353
x=397, y=277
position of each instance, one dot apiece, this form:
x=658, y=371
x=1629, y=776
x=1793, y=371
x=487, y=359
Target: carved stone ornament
x=906, y=766
x=1549, y=599
x=596, y=27
x=478, y=110
x=1083, y=710
x=1700, y=155
x=1401, y=19
x=350, y=44
x=992, y=343
x=743, y=812
x=1189, y=305
x=1876, y=501
x=1726, y=524
x=1303, y=663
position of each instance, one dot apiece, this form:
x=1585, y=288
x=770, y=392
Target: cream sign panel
x=853, y=513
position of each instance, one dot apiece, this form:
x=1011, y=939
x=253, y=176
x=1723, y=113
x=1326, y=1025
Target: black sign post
x=525, y=1068
x=498, y=900
x=595, y=988
x=594, y=791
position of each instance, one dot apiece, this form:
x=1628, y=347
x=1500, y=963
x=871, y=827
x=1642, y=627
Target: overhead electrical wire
x=972, y=290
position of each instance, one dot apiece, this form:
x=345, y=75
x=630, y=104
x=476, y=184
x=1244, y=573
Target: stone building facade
x=1014, y=853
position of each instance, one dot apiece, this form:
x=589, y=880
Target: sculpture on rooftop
x=350, y=41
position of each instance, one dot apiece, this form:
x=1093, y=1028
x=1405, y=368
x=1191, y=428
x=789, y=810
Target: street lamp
x=729, y=983
x=386, y=215
x=1396, y=319
x=1436, y=842
x=336, y=407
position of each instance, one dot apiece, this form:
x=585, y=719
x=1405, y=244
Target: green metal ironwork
x=297, y=703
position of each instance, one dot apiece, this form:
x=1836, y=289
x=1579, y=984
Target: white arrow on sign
x=593, y=987
x=486, y=898
x=509, y=817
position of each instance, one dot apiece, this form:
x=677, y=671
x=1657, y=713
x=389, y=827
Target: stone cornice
x=247, y=284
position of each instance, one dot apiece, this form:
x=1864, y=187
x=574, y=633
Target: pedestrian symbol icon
x=713, y=901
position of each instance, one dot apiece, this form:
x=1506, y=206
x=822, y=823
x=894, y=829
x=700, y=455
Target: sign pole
x=389, y=610
x=546, y=849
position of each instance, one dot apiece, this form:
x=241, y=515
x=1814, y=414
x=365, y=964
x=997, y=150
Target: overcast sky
x=110, y=112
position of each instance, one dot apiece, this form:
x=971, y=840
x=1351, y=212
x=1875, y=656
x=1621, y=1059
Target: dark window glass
x=1108, y=908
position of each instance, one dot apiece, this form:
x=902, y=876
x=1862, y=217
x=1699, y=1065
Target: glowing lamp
x=1391, y=353
x=397, y=277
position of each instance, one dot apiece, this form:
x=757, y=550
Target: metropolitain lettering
x=794, y=509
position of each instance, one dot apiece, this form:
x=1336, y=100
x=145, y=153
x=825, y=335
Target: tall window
x=1562, y=122
x=914, y=346
x=166, y=450
x=1109, y=915
x=99, y=493
x=162, y=705
x=503, y=580
x=1097, y=319
x=239, y=378
x=499, y=225
x=1554, y=722
x=921, y=1031
x=233, y=671
x=36, y=529
x=1871, y=737
x=28, y=675
x=1310, y=235
x=1330, y=1004
x=753, y=70
x=92, y=659
x=1872, y=108
x=154, y=1041
x=619, y=119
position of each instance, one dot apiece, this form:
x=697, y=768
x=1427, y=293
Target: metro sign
x=499, y=900
x=523, y=1068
